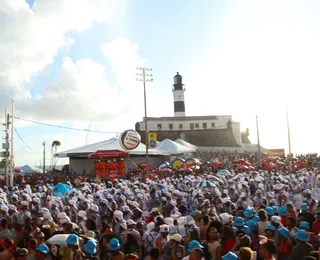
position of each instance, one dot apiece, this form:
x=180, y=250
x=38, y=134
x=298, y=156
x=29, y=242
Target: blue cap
x=194, y=244
x=304, y=206
x=270, y=211
x=252, y=225
x=90, y=247
x=304, y=224
x=246, y=230
x=238, y=222
x=72, y=240
x=275, y=210
x=230, y=256
x=256, y=219
x=301, y=235
x=114, y=244
x=283, y=211
x=270, y=227
x=248, y=213
x=43, y=249
x=284, y=232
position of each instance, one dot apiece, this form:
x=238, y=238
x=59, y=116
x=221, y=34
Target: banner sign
x=276, y=152
x=152, y=140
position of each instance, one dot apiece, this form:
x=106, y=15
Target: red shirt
x=228, y=246
x=316, y=227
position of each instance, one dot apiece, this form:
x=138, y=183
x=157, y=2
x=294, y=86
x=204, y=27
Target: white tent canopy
x=171, y=147
x=185, y=143
x=111, y=144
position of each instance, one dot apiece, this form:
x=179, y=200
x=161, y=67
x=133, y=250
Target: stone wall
x=207, y=138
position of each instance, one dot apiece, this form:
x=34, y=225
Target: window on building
x=159, y=126
x=179, y=80
x=204, y=125
x=180, y=126
x=213, y=125
x=191, y=126
x=197, y=125
x=170, y=126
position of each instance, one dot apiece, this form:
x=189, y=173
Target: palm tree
x=55, y=144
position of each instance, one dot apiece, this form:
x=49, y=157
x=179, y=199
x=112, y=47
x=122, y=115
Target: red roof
x=108, y=154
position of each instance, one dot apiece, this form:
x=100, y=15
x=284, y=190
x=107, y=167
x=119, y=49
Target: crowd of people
x=249, y=215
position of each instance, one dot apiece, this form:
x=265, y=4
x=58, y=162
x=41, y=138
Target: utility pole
x=145, y=78
x=12, y=138
x=44, y=157
x=288, y=127
x=258, y=137
x=5, y=146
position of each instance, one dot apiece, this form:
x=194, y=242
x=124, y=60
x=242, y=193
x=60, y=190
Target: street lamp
x=145, y=76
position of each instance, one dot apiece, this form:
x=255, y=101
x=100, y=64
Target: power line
x=22, y=139
x=66, y=127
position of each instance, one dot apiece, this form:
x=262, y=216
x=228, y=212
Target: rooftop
x=184, y=118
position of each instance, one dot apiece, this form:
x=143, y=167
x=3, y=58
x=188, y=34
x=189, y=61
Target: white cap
x=176, y=237
x=150, y=226
x=169, y=221
x=164, y=228
x=130, y=222
x=154, y=210
x=82, y=214
x=4, y=208
x=64, y=220
x=94, y=208
x=72, y=202
x=118, y=214
x=182, y=221
x=47, y=216
x=62, y=215
x=225, y=200
x=36, y=200
x=225, y=218
x=24, y=203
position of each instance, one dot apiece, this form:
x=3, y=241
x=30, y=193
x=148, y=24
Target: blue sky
x=244, y=59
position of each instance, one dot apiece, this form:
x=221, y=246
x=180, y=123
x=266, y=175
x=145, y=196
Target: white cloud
x=31, y=38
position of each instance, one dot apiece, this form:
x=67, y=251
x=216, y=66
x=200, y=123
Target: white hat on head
x=169, y=221
x=24, y=203
x=123, y=225
x=47, y=216
x=164, y=228
x=62, y=215
x=82, y=214
x=176, y=237
x=13, y=208
x=118, y=214
x=225, y=200
x=175, y=216
x=64, y=220
x=94, y=208
x=130, y=222
x=276, y=219
x=173, y=203
x=182, y=221
x=72, y=202
x=4, y=208
x=150, y=226
x=225, y=218
x=154, y=210
x=36, y=200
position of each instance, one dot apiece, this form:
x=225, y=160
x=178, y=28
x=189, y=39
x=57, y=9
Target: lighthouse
x=178, y=96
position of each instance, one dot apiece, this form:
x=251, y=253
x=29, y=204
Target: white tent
x=170, y=147
x=111, y=144
x=185, y=143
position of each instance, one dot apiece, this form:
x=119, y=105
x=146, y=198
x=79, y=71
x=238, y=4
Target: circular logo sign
x=129, y=140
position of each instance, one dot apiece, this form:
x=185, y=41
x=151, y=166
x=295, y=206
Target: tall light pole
x=12, y=137
x=145, y=77
x=288, y=127
x=44, y=157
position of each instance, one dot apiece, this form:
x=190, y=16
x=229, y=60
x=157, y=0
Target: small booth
x=109, y=164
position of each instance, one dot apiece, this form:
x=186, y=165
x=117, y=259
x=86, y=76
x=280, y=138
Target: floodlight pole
x=145, y=78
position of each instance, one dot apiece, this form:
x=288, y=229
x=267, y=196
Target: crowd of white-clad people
x=249, y=215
